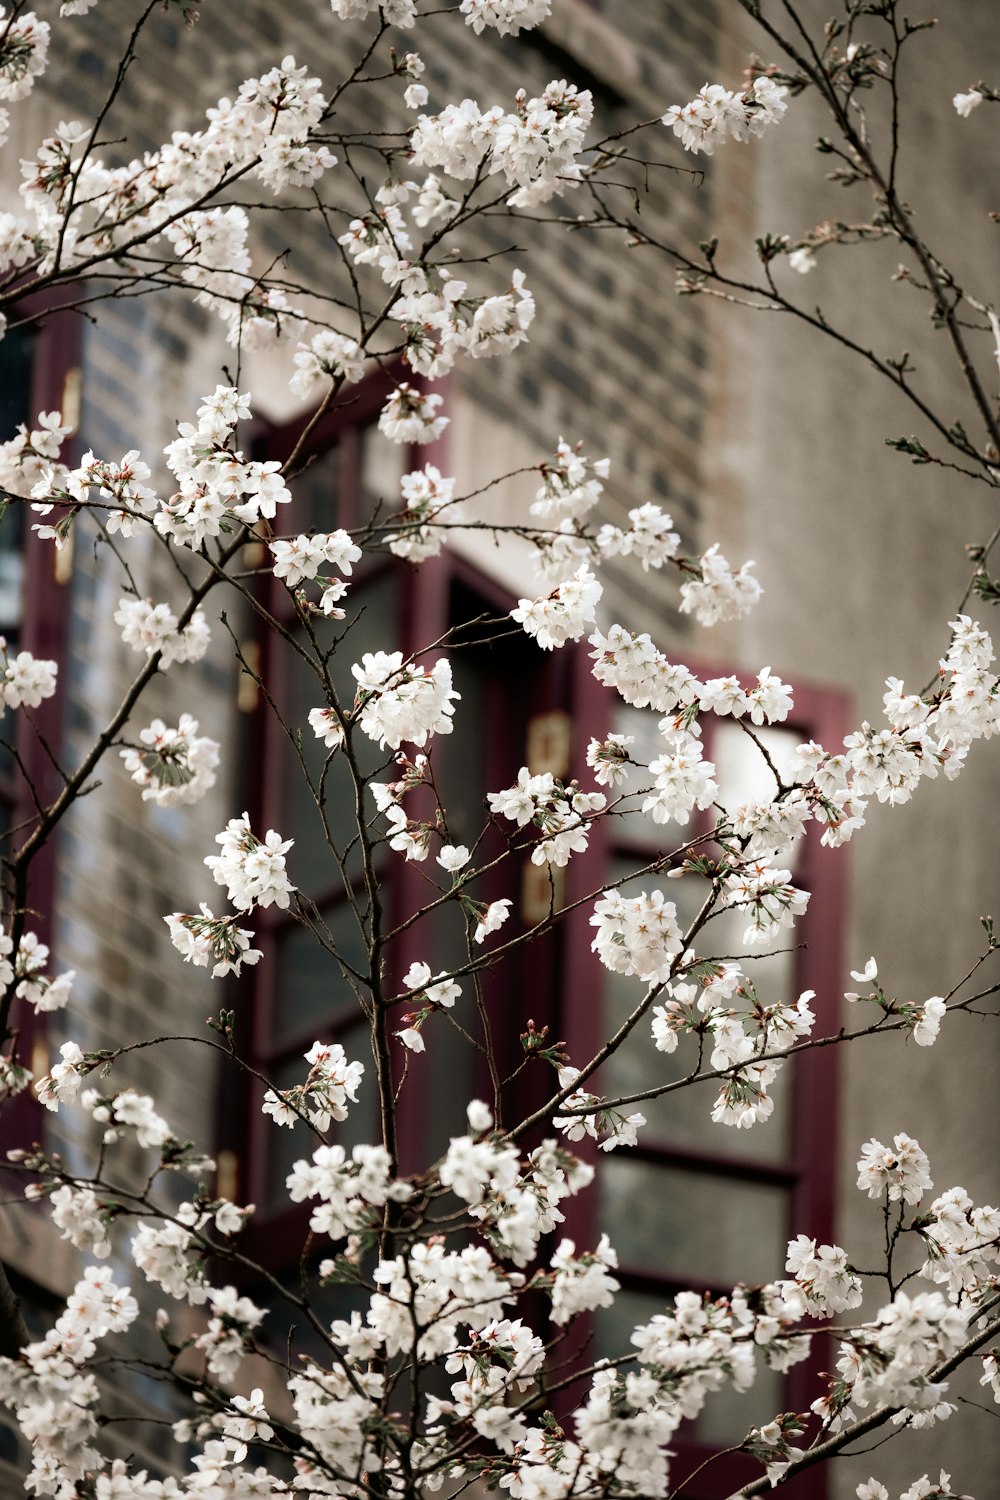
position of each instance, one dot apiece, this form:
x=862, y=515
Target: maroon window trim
x=45, y=611
x=810, y=1171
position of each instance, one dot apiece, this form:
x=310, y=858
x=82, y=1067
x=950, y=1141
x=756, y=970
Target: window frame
x=823, y=714
x=54, y=384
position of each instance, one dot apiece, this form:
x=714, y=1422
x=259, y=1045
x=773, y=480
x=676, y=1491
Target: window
x=299, y=992
x=696, y=1204
x=521, y=706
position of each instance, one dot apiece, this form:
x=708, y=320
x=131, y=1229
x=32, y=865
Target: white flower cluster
x=398, y=700
x=637, y=935
x=962, y=1241
x=348, y=1189
x=409, y=838
x=886, y=1362
x=120, y=491
x=409, y=416
x=327, y=357
x=252, y=869
x=265, y=130
x=923, y=1488
x=400, y=13
x=609, y=758
x=704, y=1344
x=154, y=628
x=216, y=485
x=534, y=147
x=823, y=1280
x=497, y=1365
x=208, y=939
x=719, y=594
x=31, y=454
x=326, y=726
x=769, y=898
x=923, y=738
x=330, y=1083
x=716, y=114
x=24, y=45
x=14, y=1077
x=171, y=1254
x=562, y=615
x=428, y=1295
x=128, y=1111
x=53, y=1398
x=683, y=780
x=901, y=1170
x=430, y=992
x=430, y=504
x=649, y=538
x=572, y=484
x=440, y=322
x=25, y=680
x=520, y=1208
x=641, y=674
x=63, y=1083
x=608, y=1126
x=28, y=969
x=174, y=767
x=770, y=702
x=300, y=559
x=740, y=1039
x=507, y=17
x=560, y=811
x=82, y=1218
x=768, y=830
x=229, y=1330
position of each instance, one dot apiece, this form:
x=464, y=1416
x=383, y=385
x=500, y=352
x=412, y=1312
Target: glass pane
x=16, y=357
x=318, y=495
x=728, y=1414
x=312, y=990
x=460, y=758
x=643, y=726
x=771, y=966
x=677, y=1224
x=383, y=465
x=373, y=630
x=744, y=775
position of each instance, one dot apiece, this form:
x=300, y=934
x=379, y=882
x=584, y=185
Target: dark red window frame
x=45, y=610
x=824, y=715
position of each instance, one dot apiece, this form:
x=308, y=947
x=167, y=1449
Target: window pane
x=16, y=357
x=382, y=467
x=744, y=775
x=668, y=1222
x=374, y=630
x=318, y=493
x=312, y=991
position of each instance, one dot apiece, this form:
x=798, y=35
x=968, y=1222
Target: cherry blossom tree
x=460, y=1354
